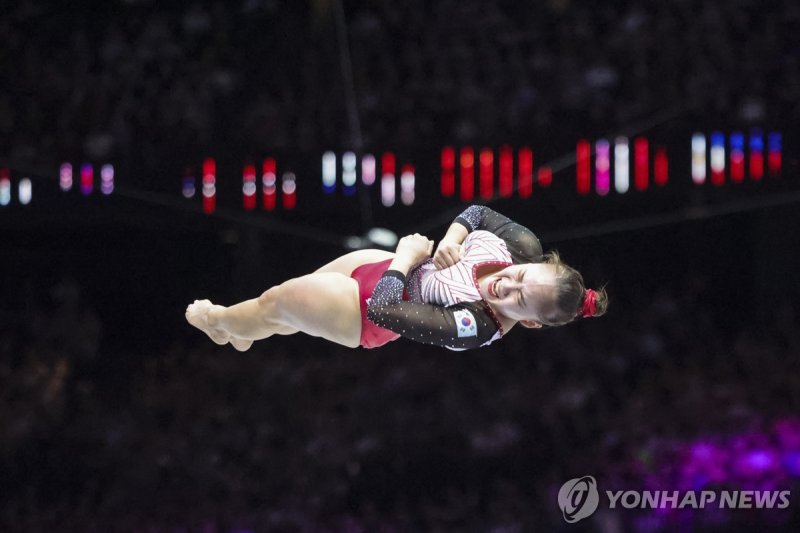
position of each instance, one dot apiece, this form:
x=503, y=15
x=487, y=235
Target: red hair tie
x=589, y=304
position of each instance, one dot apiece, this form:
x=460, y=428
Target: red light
x=87, y=178
x=756, y=165
x=774, y=162
x=583, y=154
x=545, y=177
x=661, y=170
x=268, y=184
x=506, y=184
x=525, y=165
x=641, y=175
x=737, y=166
x=487, y=174
x=209, y=204
x=388, y=165
x=467, y=174
x=774, y=157
x=209, y=185
x=448, y=185
x=249, y=187
x=289, y=189
x=467, y=157
x=209, y=167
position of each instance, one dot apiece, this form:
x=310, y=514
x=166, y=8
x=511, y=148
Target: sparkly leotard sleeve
x=445, y=312
x=522, y=244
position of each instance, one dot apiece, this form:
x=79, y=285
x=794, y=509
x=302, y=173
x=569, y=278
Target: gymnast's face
x=521, y=292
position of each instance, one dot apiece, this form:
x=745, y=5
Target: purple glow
x=787, y=431
x=767, y=460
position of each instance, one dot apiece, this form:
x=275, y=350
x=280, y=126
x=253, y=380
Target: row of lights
x=65, y=179
x=349, y=170
x=713, y=150
x=709, y=153
x=464, y=159
x=461, y=163
x=458, y=171
x=86, y=177
x=269, y=186
x=621, y=164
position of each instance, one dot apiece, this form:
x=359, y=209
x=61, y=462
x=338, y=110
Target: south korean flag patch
x=466, y=324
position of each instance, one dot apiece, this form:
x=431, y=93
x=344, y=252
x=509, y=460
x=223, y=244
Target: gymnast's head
x=550, y=293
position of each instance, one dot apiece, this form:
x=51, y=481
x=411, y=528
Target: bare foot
x=197, y=315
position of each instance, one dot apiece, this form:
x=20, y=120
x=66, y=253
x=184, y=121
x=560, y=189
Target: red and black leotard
x=444, y=307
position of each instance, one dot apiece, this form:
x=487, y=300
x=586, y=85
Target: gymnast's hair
x=573, y=299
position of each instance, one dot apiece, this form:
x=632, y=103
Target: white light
x=387, y=190
x=288, y=185
x=382, y=237
x=65, y=177
x=699, y=158
x=5, y=191
x=349, y=169
x=368, y=169
x=107, y=179
x=25, y=191
x=249, y=181
x=718, y=158
x=188, y=190
x=407, y=187
x=621, y=165
x=268, y=180
x=354, y=243
x=329, y=171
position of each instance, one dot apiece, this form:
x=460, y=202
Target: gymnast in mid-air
x=487, y=275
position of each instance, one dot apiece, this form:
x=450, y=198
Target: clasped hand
x=414, y=249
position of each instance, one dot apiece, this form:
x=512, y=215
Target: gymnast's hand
x=448, y=253
x=414, y=249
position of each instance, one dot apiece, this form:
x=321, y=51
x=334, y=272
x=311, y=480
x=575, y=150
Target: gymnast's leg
x=256, y=319
x=322, y=304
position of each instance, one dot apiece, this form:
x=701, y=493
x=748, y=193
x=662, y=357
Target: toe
x=241, y=344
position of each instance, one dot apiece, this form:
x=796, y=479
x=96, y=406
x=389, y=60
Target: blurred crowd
x=301, y=435
x=136, y=81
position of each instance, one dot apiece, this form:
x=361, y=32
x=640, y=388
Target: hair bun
x=589, y=307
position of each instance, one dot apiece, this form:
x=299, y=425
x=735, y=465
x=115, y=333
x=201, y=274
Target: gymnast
x=488, y=274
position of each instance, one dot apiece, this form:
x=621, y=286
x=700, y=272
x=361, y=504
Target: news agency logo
x=578, y=498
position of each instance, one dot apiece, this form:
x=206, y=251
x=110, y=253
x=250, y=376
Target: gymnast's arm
x=523, y=245
x=458, y=327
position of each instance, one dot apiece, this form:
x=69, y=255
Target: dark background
x=117, y=415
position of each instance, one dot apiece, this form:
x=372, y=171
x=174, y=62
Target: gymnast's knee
x=269, y=302
x=281, y=303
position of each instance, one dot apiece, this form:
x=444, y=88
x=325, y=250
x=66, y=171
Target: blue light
x=756, y=140
x=737, y=141
x=774, y=141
